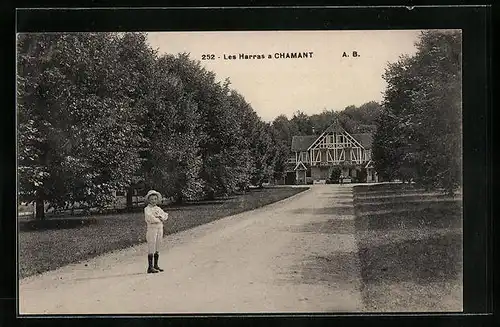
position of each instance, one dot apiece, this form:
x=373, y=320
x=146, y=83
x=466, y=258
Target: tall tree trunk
x=130, y=193
x=39, y=209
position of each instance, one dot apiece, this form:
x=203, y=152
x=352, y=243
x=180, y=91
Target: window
x=305, y=157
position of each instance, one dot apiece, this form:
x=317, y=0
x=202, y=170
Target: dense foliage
x=104, y=112
x=419, y=133
x=78, y=133
x=101, y=112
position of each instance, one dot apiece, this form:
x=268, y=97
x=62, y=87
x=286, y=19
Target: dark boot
x=156, y=256
x=151, y=270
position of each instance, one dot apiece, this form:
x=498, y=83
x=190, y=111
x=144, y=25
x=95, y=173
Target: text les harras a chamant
x=260, y=56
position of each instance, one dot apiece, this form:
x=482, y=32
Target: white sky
x=283, y=86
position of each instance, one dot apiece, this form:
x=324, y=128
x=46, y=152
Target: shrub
x=335, y=174
x=361, y=176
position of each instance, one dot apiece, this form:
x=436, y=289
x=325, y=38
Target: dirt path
x=273, y=259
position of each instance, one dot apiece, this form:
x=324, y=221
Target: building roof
x=300, y=166
x=334, y=127
x=366, y=139
x=301, y=143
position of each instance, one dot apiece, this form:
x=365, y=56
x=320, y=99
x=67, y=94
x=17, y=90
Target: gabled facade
x=314, y=157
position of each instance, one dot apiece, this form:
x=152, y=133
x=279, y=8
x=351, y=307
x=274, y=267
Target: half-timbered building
x=314, y=157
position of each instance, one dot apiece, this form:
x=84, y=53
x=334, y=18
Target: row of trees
x=419, y=132
x=100, y=112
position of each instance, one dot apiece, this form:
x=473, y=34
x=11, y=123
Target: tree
x=323, y=120
x=223, y=150
x=172, y=126
x=263, y=153
x=362, y=119
x=140, y=60
x=246, y=119
x=422, y=118
x=78, y=135
x=302, y=123
x=283, y=129
x=281, y=153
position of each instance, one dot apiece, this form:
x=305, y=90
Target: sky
x=324, y=80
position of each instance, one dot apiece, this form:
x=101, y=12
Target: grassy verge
x=61, y=241
x=410, y=249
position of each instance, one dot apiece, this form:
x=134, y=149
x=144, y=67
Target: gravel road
x=277, y=258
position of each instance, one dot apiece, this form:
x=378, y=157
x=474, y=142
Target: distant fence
x=120, y=203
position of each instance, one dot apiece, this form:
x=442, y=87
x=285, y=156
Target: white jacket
x=154, y=216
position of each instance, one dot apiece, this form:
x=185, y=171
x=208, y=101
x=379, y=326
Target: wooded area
x=419, y=134
x=104, y=112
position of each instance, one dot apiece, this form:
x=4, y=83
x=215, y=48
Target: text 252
x=208, y=57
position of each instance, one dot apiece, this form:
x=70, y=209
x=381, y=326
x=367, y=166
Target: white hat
x=153, y=192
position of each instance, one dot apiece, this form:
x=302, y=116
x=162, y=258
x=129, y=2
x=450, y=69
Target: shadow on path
x=428, y=260
x=109, y=276
x=338, y=270
x=437, y=217
x=347, y=210
x=331, y=226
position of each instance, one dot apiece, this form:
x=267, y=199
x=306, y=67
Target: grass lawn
x=410, y=248
x=62, y=241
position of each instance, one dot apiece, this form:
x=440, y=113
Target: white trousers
x=154, y=237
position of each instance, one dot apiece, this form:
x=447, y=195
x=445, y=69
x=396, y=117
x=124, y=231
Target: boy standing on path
x=154, y=217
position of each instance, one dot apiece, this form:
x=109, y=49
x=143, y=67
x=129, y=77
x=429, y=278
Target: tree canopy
x=78, y=131
x=419, y=133
x=99, y=112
